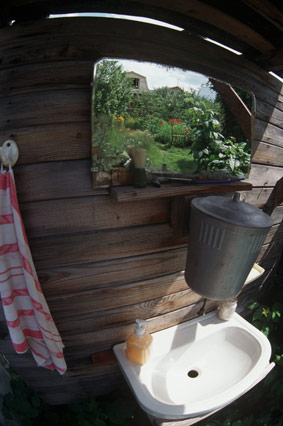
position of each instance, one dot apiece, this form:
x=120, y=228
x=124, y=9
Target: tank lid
x=233, y=211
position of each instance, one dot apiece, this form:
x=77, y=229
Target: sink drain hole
x=193, y=374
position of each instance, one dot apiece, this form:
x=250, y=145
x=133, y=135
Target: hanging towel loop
x=9, y=153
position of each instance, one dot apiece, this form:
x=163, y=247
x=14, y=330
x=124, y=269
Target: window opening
x=183, y=121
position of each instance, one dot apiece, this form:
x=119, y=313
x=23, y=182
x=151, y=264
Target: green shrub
x=28, y=409
x=223, y=154
x=163, y=133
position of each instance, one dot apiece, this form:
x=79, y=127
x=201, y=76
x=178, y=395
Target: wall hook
x=9, y=153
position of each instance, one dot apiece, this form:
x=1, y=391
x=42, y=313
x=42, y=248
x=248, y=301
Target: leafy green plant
x=163, y=132
x=223, y=154
x=212, y=151
x=112, y=90
x=22, y=404
x=28, y=409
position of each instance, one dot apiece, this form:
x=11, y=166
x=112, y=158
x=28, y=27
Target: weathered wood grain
x=272, y=115
x=60, y=106
x=116, y=296
x=104, y=339
x=203, y=12
x=262, y=176
x=76, y=324
x=80, y=38
x=276, y=232
x=270, y=251
x=59, y=75
x=103, y=245
x=51, y=142
x=54, y=180
x=267, y=132
x=89, y=213
x=256, y=197
x=265, y=153
x=89, y=276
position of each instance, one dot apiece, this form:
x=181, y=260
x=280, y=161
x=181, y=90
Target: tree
x=112, y=90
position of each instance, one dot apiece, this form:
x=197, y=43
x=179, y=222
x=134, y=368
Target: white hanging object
x=9, y=153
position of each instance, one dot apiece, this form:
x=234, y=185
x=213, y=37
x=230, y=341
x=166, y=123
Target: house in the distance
x=139, y=82
x=175, y=89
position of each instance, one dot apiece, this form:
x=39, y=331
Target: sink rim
x=189, y=409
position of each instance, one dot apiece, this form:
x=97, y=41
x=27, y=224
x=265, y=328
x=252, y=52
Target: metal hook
x=9, y=153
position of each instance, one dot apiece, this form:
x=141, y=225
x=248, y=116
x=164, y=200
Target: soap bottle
x=139, y=343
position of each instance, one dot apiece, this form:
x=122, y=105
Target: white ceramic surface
x=198, y=366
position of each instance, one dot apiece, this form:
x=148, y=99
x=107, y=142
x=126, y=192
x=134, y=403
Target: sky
x=160, y=76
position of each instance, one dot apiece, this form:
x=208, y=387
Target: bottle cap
x=139, y=328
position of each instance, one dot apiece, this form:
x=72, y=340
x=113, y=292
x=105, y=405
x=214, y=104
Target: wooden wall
x=103, y=264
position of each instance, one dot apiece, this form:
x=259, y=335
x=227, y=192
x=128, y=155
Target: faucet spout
x=226, y=309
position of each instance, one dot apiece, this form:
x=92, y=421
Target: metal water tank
x=225, y=238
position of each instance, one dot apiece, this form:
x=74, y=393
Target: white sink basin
x=198, y=366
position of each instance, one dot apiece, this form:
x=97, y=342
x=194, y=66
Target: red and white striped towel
x=27, y=314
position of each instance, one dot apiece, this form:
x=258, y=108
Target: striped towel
x=27, y=314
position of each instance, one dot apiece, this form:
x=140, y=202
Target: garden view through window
x=182, y=119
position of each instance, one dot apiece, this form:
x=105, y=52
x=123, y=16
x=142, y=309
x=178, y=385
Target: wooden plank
x=51, y=142
x=31, y=78
x=117, y=296
x=89, y=213
x=267, y=132
x=268, y=10
x=261, y=176
x=229, y=24
x=272, y=261
x=59, y=106
x=76, y=324
x=89, y=343
x=54, y=180
x=96, y=275
x=257, y=197
x=101, y=299
x=265, y=153
x=276, y=232
x=122, y=194
x=236, y=106
x=269, y=113
x=277, y=215
x=104, y=358
x=188, y=17
x=204, y=12
x=274, y=61
x=270, y=251
x=103, y=245
x=65, y=38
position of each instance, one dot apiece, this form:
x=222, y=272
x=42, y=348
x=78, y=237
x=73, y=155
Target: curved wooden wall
x=103, y=264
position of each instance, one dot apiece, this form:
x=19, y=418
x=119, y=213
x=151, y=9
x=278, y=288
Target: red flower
x=172, y=121
x=161, y=122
